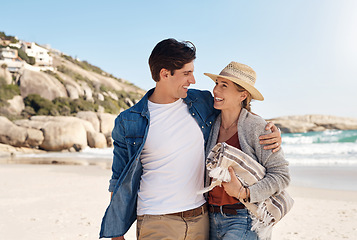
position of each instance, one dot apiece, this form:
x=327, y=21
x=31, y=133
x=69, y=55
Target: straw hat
x=242, y=75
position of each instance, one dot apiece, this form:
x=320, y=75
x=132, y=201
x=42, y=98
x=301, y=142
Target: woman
x=238, y=127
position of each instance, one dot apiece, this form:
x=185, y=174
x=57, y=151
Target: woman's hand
x=272, y=140
x=234, y=187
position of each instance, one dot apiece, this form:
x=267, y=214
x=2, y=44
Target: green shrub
x=110, y=105
x=23, y=55
x=80, y=104
x=11, y=38
x=63, y=105
x=28, y=112
x=36, y=105
x=32, y=61
x=40, y=105
x=7, y=92
x=2, y=81
x=104, y=88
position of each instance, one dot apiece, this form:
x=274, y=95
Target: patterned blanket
x=264, y=214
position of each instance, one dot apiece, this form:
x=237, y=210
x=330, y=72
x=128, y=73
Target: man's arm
x=120, y=153
x=119, y=158
x=116, y=238
x=273, y=139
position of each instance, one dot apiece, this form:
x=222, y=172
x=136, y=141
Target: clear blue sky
x=304, y=51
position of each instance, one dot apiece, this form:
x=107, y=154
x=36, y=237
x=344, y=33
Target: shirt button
x=134, y=143
x=210, y=122
x=203, y=127
x=193, y=114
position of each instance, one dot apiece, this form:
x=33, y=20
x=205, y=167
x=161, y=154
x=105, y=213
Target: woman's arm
x=277, y=175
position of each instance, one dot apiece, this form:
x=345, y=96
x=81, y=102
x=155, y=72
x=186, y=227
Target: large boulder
x=78, y=142
x=100, y=97
x=61, y=135
x=27, y=123
x=11, y=134
x=113, y=95
x=42, y=84
x=96, y=140
x=88, y=120
x=88, y=93
x=18, y=136
x=72, y=91
x=66, y=119
x=34, y=137
x=106, y=123
x=15, y=107
x=90, y=117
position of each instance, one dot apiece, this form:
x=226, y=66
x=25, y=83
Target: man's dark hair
x=171, y=55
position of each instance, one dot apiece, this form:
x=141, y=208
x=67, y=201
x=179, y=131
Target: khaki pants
x=168, y=227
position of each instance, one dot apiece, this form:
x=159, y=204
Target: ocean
x=325, y=159
x=328, y=148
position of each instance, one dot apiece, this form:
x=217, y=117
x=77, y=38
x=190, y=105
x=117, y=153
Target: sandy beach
x=56, y=201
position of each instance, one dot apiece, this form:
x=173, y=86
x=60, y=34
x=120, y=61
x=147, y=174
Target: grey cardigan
x=250, y=127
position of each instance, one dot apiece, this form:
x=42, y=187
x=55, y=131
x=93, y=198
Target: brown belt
x=191, y=213
x=226, y=209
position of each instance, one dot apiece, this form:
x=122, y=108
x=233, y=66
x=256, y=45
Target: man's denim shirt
x=129, y=135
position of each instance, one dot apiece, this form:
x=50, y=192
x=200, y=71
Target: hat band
x=234, y=72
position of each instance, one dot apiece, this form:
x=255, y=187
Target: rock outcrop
x=14, y=107
x=94, y=129
x=307, y=123
x=96, y=140
x=106, y=123
x=59, y=133
x=11, y=134
x=62, y=135
x=90, y=117
x=18, y=136
x=42, y=84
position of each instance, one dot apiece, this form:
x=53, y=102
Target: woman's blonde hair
x=247, y=100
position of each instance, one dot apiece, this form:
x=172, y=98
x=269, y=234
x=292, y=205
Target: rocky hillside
x=71, y=83
x=70, y=107
x=307, y=123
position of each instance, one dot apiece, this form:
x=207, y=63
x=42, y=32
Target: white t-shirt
x=173, y=161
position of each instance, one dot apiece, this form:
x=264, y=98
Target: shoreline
x=329, y=177
x=55, y=201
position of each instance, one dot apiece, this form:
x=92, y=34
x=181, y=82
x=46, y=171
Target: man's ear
x=164, y=73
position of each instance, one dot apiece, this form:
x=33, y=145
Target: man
x=159, y=161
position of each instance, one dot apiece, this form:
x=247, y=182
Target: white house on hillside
x=8, y=54
x=39, y=53
x=9, y=57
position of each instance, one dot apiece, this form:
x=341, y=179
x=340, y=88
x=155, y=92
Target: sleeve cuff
x=112, y=184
